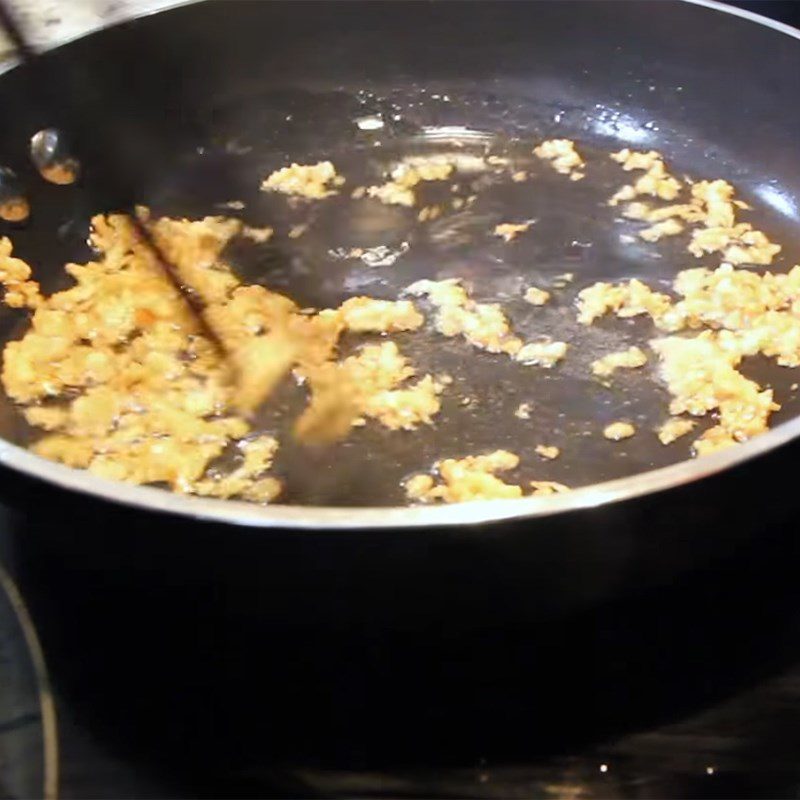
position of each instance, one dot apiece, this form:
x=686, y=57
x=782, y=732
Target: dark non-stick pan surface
x=199, y=104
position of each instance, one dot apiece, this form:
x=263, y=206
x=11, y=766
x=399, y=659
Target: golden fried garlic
x=122, y=381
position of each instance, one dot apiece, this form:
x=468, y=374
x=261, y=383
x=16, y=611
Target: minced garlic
x=542, y=354
x=510, y=230
x=312, y=181
x=547, y=451
x=118, y=374
x=465, y=479
x=257, y=235
x=378, y=373
x=249, y=480
x=563, y=157
x=407, y=175
x=655, y=182
x=523, y=411
x=617, y=431
x=674, y=428
x=657, y=231
x=133, y=390
x=631, y=358
x=473, y=478
x=429, y=213
x=373, y=384
x=711, y=210
x=758, y=311
x=701, y=375
x=21, y=292
x=625, y=299
x=393, y=194
x=366, y=314
x=747, y=312
x=483, y=325
x=535, y=296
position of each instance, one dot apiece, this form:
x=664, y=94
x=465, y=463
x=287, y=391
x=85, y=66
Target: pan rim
x=319, y=518
x=333, y=518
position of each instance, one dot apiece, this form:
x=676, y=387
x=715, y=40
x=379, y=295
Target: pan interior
x=364, y=132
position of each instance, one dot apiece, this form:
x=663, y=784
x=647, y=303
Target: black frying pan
x=198, y=104
x=194, y=106
x=714, y=92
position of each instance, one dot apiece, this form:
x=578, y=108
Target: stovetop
x=687, y=690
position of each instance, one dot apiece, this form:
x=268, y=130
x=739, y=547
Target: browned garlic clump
x=125, y=384
x=311, y=181
x=407, y=175
x=710, y=208
x=563, y=157
x=617, y=431
x=744, y=312
x=631, y=358
x=535, y=296
x=510, y=230
x=473, y=478
x=483, y=325
x=674, y=428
